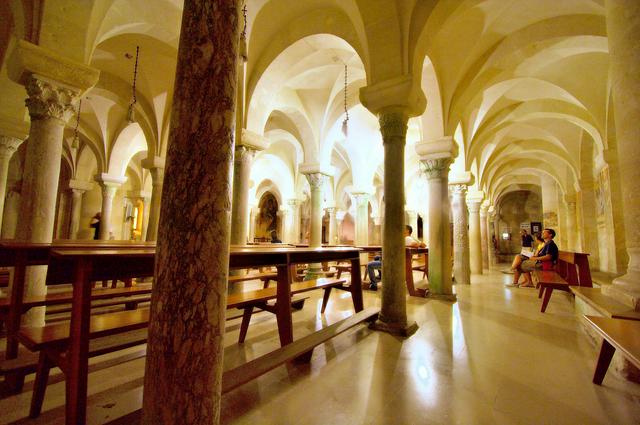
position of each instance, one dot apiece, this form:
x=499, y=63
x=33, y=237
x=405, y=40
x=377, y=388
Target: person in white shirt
x=376, y=264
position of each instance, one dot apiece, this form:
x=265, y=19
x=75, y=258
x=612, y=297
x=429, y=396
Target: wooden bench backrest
x=574, y=268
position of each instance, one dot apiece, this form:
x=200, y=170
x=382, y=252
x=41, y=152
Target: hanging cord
x=135, y=76
x=76, y=139
x=346, y=111
x=244, y=15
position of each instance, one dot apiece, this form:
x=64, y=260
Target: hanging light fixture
x=75, y=144
x=345, y=123
x=131, y=116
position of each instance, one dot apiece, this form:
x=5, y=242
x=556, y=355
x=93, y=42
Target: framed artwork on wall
x=536, y=227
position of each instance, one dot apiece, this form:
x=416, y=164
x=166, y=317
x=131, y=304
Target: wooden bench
x=604, y=305
x=574, y=268
x=547, y=281
x=617, y=334
x=264, y=277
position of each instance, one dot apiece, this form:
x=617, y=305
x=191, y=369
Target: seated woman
x=519, y=258
x=545, y=259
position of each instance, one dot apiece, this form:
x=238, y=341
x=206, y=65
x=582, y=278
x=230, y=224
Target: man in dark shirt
x=545, y=260
x=527, y=239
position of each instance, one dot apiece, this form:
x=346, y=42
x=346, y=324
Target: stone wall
x=515, y=208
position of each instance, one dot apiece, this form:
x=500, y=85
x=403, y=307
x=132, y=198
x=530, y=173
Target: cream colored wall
x=516, y=208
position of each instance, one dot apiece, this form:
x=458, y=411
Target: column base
x=442, y=297
x=404, y=330
x=622, y=290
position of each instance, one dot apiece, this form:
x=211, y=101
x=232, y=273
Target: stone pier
x=474, y=199
x=184, y=356
x=461, y=262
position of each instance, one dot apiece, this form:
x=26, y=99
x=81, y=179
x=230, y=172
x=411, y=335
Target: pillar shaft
x=623, y=28
x=333, y=227
x=240, y=212
x=484, y=235
x=549, y=203
x=393, y=312
x=362, y=219
x=316, y=181
x=157, y=176
x=461, y=262
x=437, y=172
x=184, y=355
x=490, y=235
x=76, y=207
x=8, y=146
x=108, y=193
x=475, y=243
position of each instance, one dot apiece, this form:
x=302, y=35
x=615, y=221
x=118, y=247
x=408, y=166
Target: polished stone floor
x=490, y=358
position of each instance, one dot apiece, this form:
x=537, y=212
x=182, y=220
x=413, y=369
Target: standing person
x=527, y=240
x=95, y=223
x=545, y=259
x=376, y=264
x=274, y=237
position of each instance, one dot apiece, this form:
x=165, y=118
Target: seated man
x=376, y=264
x=544, y=260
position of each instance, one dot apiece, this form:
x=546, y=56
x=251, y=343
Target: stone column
x=294, y=204
x=316, y=182
x=549, y=203
x=461, y=261
x=393, y=312
x=333, y=229
x=283, y=223
x=253, y=215
x=78, y=188
x=156, y=168
x=11, y=212
x=491, y=215
x=362, y=219
x=8, y=145
x=484, y=207
x=436, y=158
x=339, y=218
x=413, y=222
x=109, y=185
x=572, y=230
x=53, y=85
x=189, y=301
x=623, y=28
x=475, y=243
x=377, y=229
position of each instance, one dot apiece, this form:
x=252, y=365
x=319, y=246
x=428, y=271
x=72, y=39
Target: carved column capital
x=8, y=146
x=458, y=189
x=361, y=198
x=243, y=153
x=393, y=125
x=50, y=100
x=436, y=168
x=473, y=205
x=315, y=180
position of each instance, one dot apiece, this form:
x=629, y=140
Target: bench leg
x=325, y=299
x=244, y=326
x=604, y=360
x=541, y=291
x=132, y=305
x=265, y=283
x=545, y=300
x=13, y=383
x=40, y=384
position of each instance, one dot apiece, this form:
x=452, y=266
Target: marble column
x=53, y=85
x=623, y=30
x=11, y=212
x=240, y=208
x=316, y=182
x=413, y=222
x=109, y=185
x=78, y=188
x=436, y=158
x=461, y=261
x=393, y=312
x=572, y=229
x=189, y=301
x=549, y=203
x=333, y=229
x=491, y=215
x=339, y=218
x=294, y=205
x=253, y=216
x=484, y=207
x=362, y=219
x=377, y=229
x=475, y=241
x=156, y=168
x=8, y=146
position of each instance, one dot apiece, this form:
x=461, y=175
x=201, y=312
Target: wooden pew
x=617, y=334
x=547, y=281
x=574, y=268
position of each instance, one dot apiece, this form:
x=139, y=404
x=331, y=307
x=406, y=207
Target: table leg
x=604, y=360
x=78, y=358
x=283, y=305
x=356, y=286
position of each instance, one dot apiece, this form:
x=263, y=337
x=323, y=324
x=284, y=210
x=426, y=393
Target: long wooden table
x=91, y=264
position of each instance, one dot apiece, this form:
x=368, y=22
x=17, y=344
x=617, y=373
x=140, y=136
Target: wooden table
x=92, y=264
x=623, y=335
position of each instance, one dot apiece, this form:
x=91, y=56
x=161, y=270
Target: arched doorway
x=267, y=219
